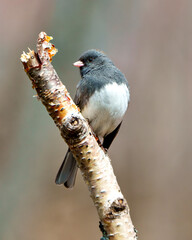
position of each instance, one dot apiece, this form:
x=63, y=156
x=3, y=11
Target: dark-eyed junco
x=102, y=96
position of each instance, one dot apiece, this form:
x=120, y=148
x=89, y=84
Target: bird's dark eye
x=90, y=59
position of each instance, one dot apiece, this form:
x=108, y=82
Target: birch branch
x=93, y=162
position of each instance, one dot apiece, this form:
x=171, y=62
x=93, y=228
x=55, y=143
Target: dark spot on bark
x=118, y=205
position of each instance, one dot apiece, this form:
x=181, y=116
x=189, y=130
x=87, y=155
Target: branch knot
x=73, y=129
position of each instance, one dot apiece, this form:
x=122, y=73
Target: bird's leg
x=97, y=138
x=99, y=142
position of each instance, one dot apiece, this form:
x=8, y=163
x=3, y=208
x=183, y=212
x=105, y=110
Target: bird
x=102, y=96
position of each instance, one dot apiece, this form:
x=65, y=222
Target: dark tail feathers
x=68, y=171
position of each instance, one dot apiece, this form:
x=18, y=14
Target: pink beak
x=78, y=64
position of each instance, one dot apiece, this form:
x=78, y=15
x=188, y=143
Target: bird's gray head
x=90, y=60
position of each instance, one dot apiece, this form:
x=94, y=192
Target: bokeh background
x=150, y=41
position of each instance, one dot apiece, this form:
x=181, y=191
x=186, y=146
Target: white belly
x=106, y=108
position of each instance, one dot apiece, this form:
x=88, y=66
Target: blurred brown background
x=150, y=41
